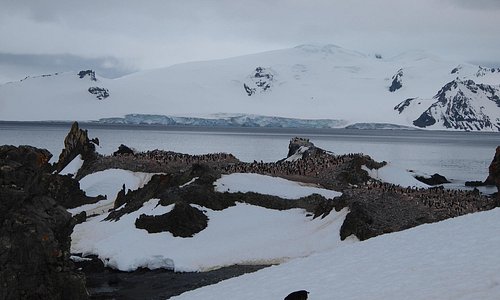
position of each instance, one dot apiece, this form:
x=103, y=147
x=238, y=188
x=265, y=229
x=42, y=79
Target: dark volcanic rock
x=435, y=179
x=76, y=143
x=34, y=233
x=183, y=220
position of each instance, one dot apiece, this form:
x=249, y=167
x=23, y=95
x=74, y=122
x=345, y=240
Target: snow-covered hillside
x=452, y=259
x=312, y=82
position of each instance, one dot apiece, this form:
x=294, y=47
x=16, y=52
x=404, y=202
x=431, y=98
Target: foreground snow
x=452, y=259
x=108, y=183
x=276, y=186
x=243, y=234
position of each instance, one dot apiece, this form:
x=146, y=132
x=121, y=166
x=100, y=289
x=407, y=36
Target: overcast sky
x=121, y=36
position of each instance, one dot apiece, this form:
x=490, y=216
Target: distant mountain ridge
x=318, y=86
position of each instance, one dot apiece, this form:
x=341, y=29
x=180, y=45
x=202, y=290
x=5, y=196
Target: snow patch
x=73, y=166
x=395, y=175
x=268, y=185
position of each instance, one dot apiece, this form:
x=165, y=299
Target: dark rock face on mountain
x=34, y=233
x=99, y=92
x=460, y=104
x=435, y=179
x=76, y=143
x=87, y=73
x=261, y=80
x=397, y=81
x=482, y=71
x=183, y=221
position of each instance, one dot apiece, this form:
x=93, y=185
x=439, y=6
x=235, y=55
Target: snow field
x=391, y=173
x=453, y=259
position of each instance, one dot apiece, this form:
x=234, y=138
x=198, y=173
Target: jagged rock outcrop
x=77, y=143
x=494, y=170
x=300, y=148
x=34, y=232
x=261, y=80
x=99, y=92
x=460, y=104
x=183, y=221
x=397, y=81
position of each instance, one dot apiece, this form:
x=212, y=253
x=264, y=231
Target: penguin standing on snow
x=297, y=295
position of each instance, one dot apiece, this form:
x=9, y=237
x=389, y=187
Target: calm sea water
x=457, y=155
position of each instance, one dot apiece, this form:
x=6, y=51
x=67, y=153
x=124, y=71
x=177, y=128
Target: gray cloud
x=158, y=33
x=18, y=66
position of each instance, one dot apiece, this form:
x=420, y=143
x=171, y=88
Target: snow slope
x=243, y=234
x=306, y=82
x=453, y=259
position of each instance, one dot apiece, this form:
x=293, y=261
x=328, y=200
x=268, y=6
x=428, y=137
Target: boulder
x=77, y=143
x=182, y=221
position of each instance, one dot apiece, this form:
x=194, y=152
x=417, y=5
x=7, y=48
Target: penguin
x=297, y=295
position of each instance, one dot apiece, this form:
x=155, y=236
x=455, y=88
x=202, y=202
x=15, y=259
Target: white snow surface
x=73, y=166
x=453, y=259
x=391, y=173
x=309, y=82
x=108, y=183
x=268, y=185
x=243, y=234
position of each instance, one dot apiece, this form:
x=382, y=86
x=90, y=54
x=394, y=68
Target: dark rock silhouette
x=183, y=220
x=89, y=73
x=123, y=149
x=76, y=143
x=397, y=81
x=297, y=295
x=34, y=233
x=494, y=170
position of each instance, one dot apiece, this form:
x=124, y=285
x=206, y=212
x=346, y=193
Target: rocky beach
x=36, y=227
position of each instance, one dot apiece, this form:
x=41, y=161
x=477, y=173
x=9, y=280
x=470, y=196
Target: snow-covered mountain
x=322, y=85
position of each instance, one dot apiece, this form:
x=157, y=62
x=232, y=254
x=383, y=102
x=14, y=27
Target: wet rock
x=34, y=232
x=182, y=221
x=77, y=143
x=435, y=179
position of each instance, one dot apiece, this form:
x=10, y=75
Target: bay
x=459, y=156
